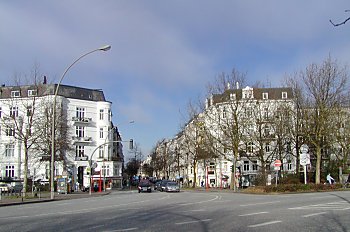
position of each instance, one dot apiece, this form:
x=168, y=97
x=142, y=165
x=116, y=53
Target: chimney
x=237, y=85
x=228, y=85
x=45, y=80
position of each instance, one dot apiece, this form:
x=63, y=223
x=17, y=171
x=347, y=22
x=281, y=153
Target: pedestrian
x=330, y=179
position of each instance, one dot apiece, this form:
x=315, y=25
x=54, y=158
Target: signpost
x=304, y=159
x=277, y=165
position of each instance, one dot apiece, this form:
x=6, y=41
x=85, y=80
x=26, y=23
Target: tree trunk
x=318, y=165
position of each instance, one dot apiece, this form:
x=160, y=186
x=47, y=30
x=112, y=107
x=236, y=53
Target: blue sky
x=164, y=53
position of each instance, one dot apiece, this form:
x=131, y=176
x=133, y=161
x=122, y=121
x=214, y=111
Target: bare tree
x=341, y=23
x=326, y=87
x=21, y=120
x=225, y=118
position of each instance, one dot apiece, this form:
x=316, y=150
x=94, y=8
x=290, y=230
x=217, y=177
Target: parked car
x=157, y=185
x=17, y=187
x=172, y=186
x=163, y=184
x=4, y=187
x=145, y=186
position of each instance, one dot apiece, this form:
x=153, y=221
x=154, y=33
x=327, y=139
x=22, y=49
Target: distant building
x=258, y=120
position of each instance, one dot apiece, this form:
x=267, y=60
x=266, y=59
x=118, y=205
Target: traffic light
x=131, y=144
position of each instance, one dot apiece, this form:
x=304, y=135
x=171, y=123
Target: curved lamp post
x=104, y=48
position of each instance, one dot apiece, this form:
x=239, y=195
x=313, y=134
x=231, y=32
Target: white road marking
x=261, y=203
x=127, y=229
x=199, y=202
x=251, y=214
x=265, y=224
x=189, y=222
x=313, y=214
x=339, y=205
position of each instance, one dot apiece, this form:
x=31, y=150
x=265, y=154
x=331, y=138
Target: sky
x=164, y=53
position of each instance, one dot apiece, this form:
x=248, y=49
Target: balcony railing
x=81, y=119
x=82, y=139
x=81, y=158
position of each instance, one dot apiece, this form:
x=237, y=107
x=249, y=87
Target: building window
x=284, y=95
x=265, y=95
x=79, y=151
x=14, y=111
x=0, y=112
x=224, y=112
x=101, y=114
x=249, y=112
x=32, y=92
x=250, y=147
x=246, y=166
x=116, y=170
x=101, y=133
x=105, y=170
x=29, y=111
x=289, y=166
x=80, y=113
x=266, y=113
x=232, y=96
x=267, y=147
x=15, y=93
x=10, y=131
x=10, y=171
x=255, y=165
x=100, y=152
x=79, y=131
x=9, y=150
x=109, y=115
x=225, y=167
x=266, y=130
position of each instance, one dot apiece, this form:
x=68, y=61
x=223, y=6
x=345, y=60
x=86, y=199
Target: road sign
x=304, y=159
x=278, y=163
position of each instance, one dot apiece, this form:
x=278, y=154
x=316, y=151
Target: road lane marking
x=251, y=214
x=121, y=230
x=339, y=205
x=313, y=214
x=264, y=224
x=262, y=203
x=199, y=202
x=194, y=221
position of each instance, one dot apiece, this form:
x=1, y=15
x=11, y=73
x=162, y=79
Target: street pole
x=104, y=48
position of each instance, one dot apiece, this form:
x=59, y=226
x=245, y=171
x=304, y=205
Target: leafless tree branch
x=338, y=24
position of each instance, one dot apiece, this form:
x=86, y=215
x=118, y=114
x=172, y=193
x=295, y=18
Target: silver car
x=172, y=186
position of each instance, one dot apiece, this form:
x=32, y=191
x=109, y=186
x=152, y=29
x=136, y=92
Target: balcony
x=81, y=139
x=81, y=158
x=81, y=120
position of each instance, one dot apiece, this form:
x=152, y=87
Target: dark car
x=145, y=186
x=157, y=185
x=172, y=186
x=163, y=184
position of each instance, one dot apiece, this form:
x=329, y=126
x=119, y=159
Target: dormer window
x=232, y=96
x=265, y=95
x=15, y=93
x=32, y=92
x=284, y=95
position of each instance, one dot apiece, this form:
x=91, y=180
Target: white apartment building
x=26, y=111
x=258, y=120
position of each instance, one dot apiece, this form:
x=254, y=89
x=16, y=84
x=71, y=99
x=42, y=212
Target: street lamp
x=104, y=48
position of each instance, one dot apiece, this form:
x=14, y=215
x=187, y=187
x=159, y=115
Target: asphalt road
x=184, y=211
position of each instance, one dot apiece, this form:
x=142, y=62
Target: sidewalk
x=46, y=196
